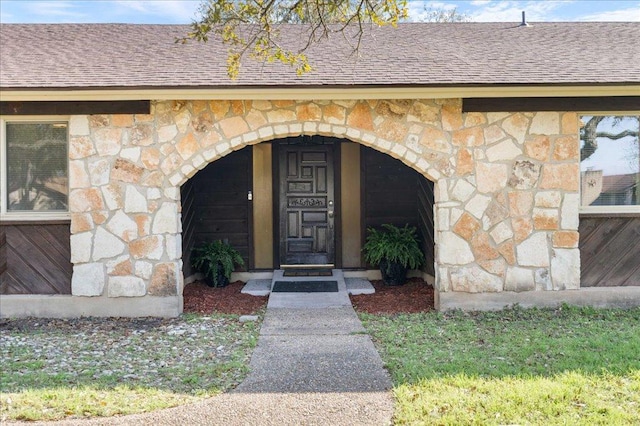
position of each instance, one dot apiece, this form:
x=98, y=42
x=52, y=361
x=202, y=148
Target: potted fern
x=394, y=250
x=216, y=260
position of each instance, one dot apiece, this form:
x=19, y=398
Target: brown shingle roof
x=40, y=56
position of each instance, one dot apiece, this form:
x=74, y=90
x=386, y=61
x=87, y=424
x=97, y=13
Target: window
x=610, y=163
x=34, y=170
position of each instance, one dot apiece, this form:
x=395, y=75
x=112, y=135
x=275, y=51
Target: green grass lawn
x=568, y=366
x=103, y=367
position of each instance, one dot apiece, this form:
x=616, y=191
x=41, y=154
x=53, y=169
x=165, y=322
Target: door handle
x=330, y=211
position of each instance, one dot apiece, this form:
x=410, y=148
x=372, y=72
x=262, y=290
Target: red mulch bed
x=200, y=298
x=415, y=296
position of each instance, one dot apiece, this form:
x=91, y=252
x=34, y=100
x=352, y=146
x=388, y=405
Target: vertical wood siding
x=609, y=251
x=395, y=193
x=188, y=225
x=215, y=206
x=35, y=259
x=425, y=222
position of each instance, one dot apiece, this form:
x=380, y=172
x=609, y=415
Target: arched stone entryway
x=505, y=200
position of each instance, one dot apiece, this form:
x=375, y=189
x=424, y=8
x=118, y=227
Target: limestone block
x=85, y=200
x=538, y=147
x=478, y=205
x=473, y=279
x=99, y=172
x=166, y=219
x=442, y=279
x=80, y=147
x=560, y=176
x=107, y=141
x=548, y=199
x=493, y=134
x=187, y=146
x=123, y=226
x=519, y=279
x=524, y=174
x=466, y=226
x=569, y=218
x=520, y=202
x=164, y=280
x=501, y=233
x=516, y=125
x=126, y=286
x=88, y=279
x=545, y=123
x=119, y=266
x=78, y=177
x=491, y=177
x=567, y=148
x=106, y=245
x=565, y=269
x=182, y=120
x=505, y=150
x=126, y=171
x=545, y=218
x=167, y=133
x=79, y=125
x=453, y=250
x=174, y=246
x=132, y=154
x=143, y=269
x=112, y=196
x=543, y=279
x=462, y=190
x=534, y=251
x=565, y=239
x=172, y=193
x=149, y=247
x=134, y=201
x=81, y=247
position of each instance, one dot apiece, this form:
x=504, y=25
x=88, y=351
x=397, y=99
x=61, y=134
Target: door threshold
x=309, y=266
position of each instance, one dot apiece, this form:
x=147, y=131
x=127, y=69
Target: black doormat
x=305, y=287
x=308, y=272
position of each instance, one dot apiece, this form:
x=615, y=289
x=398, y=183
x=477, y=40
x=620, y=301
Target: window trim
x=611, y=210
x=28, y=216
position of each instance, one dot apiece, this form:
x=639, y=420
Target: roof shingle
x=109, y=56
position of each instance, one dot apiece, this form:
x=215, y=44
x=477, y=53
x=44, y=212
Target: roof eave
x=324, y=92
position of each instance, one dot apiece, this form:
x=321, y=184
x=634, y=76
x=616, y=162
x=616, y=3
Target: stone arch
x=391, y=127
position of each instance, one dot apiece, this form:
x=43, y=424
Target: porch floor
x=352, y=286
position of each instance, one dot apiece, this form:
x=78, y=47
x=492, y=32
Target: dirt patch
x=200, y=298
x=415, y=296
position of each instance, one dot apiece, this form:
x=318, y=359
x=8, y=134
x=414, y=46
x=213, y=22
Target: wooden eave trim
x=320, y=93
x=523, y=104
x=11, y=108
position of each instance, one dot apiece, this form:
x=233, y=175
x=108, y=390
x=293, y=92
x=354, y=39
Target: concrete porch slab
x=257, y=287
x=357, y=286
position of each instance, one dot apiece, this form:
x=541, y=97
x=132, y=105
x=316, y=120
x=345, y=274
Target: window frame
x=26, y=215
x=610, y=210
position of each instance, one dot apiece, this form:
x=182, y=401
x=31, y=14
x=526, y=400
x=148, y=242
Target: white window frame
x=27, y=216
x=606, y=210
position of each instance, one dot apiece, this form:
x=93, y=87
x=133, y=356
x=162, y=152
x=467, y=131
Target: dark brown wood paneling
x=609, y=251
x=215, y=206
x=74, y=107
x=425, y=222
x=36, y=259
x=581, y=104
x=392, y=192
x=188, y=225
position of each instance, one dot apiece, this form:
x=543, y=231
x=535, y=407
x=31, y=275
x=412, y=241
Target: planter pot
x=222, y=279
x=393, y=273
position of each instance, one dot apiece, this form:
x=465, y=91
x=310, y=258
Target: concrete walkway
x=313, y=365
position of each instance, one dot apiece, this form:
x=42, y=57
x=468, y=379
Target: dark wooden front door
x=307, y=205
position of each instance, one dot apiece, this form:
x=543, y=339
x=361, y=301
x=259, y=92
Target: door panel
x=306, y=205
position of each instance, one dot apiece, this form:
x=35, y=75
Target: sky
x=185, y=11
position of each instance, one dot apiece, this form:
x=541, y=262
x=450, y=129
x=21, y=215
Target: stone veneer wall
x=506, y=194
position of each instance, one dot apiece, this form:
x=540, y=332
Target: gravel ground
x=191, y=355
